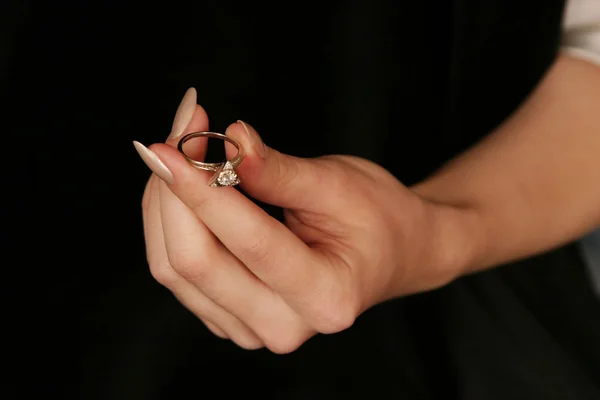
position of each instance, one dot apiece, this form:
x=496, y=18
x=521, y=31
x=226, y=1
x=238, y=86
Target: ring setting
x=224, y=172
x=225, y=177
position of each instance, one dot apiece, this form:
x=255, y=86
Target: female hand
x=353, y=237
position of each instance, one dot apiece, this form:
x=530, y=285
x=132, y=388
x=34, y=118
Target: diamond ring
x=225, y=174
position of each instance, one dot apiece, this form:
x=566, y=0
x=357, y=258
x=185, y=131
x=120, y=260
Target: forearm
x=534, y=183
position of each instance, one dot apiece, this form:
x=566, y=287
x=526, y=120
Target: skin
x=528, y=187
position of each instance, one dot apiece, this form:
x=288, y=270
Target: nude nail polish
x=154, y=163
x=184, y=113
x=257, y=143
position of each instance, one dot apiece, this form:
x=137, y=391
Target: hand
x=353, y=237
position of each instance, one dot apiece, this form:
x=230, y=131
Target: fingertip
x=237, y=132
x=167, y=153
x=178, y=165
x=191, y=93
x=199, y=120
x=196, y=148
x=184, y=113
x=188, y=117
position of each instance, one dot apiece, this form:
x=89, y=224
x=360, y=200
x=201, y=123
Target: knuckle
x=287, y=172
x=284, y=342
x=344, y=181
x=339, y=321
x=284, y=332
x=247, y=342
x=200, y=205
x=257, y=250
x=163, y=274
x=335, y=314
x=332, y=176
x=188, y=266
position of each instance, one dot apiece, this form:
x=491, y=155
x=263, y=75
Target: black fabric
x=524, y=331
x=407, y=84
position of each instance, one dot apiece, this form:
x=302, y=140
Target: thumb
x=275, y=178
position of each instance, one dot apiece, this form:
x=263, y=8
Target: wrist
x=441, y=245
x=456, y=238
x=462, y=235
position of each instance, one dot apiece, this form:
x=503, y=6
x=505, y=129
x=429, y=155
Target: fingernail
x=184, y=113
x=154, y=163
x=257, y=143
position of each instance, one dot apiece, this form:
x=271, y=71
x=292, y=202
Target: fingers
x=264, y=245
x=190, y=117
x=279, y=179
x=188, y=294
x=201, y=259
x=151, y=190
x=226, y=260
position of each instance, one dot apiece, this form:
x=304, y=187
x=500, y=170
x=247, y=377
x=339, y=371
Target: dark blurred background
x=82, y=80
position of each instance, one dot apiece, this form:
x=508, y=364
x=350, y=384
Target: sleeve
x=581, y=39
x=581, y=30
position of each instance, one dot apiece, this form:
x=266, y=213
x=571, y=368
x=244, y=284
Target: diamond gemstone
x=228, y=177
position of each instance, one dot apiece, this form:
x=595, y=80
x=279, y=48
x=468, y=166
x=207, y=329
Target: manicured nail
x=257, y=143
x=184, y=113
x=154, y=163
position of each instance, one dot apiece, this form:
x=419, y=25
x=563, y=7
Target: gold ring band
x=225, y=174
